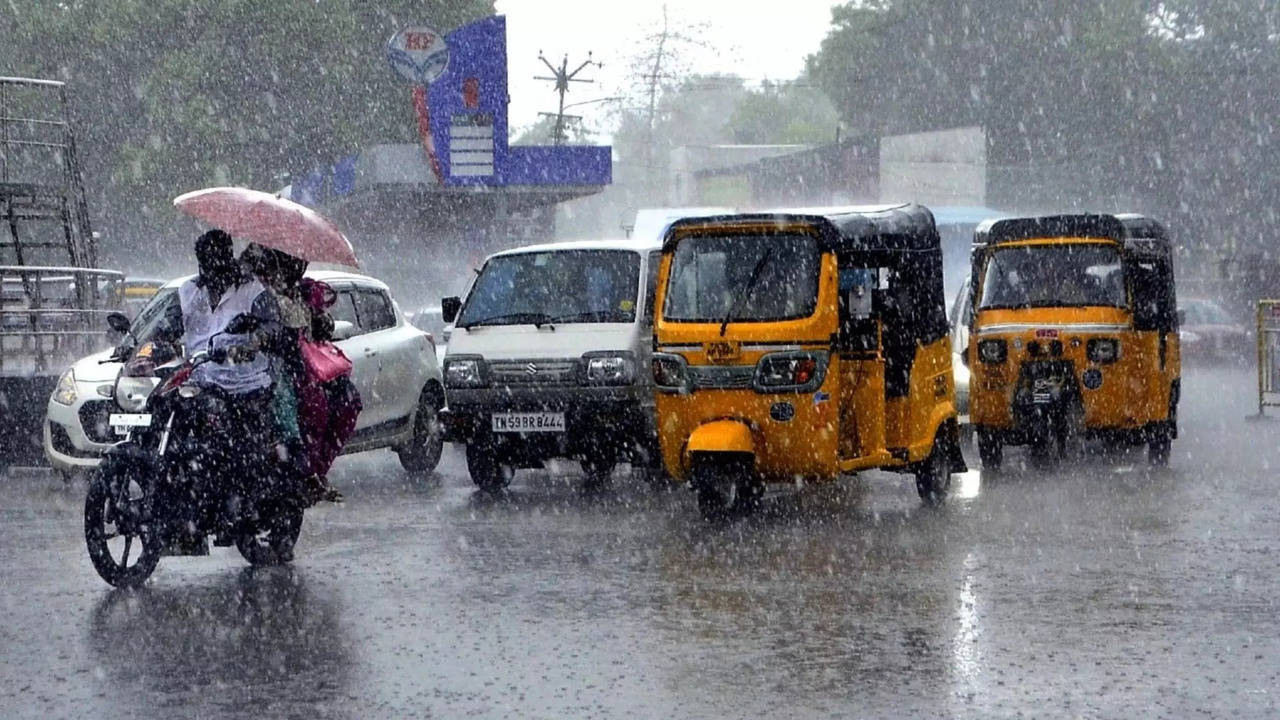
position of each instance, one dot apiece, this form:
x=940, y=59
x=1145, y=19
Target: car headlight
x=669, y=371
x=464, y=372
x=791, y=371
x=65, y=392
x=993, y=351
x=609, y=369
x=1103, y=350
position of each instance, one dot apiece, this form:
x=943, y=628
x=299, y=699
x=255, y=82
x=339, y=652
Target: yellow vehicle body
x=843, y=420
x=1035, y=366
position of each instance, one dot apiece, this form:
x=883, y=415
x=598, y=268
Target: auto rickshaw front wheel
x=726, y=485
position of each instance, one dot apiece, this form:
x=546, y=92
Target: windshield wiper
x=588, y=316
x=520, y=318
x=746, y=290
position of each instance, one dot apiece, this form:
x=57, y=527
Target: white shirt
x=201, y=323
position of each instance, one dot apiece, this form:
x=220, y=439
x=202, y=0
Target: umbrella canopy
x=271, y=221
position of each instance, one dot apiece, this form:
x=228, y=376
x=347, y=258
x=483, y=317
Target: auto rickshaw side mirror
x=450, y=307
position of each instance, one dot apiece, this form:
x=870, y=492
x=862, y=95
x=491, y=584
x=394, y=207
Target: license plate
x=528, y=422
x=124, y=422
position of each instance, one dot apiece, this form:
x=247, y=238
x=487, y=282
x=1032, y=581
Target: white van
x=549, y=358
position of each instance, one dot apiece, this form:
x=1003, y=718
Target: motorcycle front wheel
x=272, y=542
x=119, y=530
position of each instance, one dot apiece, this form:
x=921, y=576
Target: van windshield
x=556, y=286
x=736, y=278
x=1075, y=275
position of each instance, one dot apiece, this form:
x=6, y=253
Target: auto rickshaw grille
x=708, y=377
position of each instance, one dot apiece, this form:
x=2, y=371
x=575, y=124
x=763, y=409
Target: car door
x=364, y=370
x=392, y=392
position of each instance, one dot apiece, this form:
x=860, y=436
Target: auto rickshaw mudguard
x=944, y=419
x=721, y=436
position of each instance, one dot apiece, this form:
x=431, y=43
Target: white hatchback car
x=394, y=368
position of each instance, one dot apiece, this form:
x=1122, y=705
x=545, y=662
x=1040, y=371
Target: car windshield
x=735, y=278
x=580, y=286
x=1074, y=275
x=151, y=319
x=1206, y=313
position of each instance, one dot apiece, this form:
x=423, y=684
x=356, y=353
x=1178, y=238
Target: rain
x=552, y=358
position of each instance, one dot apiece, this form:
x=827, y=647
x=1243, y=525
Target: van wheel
x=487, y=470
x=422, y=454
x=990, y=450
x=726, y=488
x=933, y=476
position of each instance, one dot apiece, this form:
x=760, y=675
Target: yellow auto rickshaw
x=800, y=346
x=1073, y=335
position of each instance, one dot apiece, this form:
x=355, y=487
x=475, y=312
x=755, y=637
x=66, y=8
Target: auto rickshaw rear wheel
x=933, y=476
x=726, y=486
x=1159, y=445
x=990, y=450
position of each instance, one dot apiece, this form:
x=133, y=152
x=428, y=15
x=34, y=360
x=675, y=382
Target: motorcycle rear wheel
x=117, y=507
x=273, y=544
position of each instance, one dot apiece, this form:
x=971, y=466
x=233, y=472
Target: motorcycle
x=183, y=473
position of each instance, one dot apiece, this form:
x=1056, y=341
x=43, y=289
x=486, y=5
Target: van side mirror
x=450, y=307
x=118, y=322
x=343, y=330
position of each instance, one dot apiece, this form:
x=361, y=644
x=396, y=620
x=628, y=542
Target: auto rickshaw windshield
x=743, y=278
x=1069, y=275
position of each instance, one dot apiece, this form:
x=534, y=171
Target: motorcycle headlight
x=65, y=392
x=1103, y=350
x=669, y=371
x=609, y=369
x=993, y=351
x=464, y=372
x=132, y=392
x=791, y=371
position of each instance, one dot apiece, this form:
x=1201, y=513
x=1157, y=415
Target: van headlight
x=65, y=392
x=464, y=372
x=1103, y=350
x=609, y=368
x=791, y=371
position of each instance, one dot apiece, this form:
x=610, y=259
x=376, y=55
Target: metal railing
x=52, y=316
x=1268, y=354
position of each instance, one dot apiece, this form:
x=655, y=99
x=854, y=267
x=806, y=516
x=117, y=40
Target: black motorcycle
x=184, y=472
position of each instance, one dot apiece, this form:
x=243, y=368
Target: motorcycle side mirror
x=242, y=324
x=343, y=329
x=450, y=307
x=118, y=322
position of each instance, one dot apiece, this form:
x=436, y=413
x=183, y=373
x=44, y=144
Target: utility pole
x=561, y=76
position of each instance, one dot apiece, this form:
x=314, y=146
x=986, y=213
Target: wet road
x=1100, y=589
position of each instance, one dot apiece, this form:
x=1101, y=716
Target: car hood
x=91, y=369
x=523, y=342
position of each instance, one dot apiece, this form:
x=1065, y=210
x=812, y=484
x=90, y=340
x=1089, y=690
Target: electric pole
x=561, y=76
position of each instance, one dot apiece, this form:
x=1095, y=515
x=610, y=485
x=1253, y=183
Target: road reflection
x=254, y=640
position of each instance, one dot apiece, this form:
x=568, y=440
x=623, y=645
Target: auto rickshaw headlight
x=609, y=369
x=1103, y=350
x=669, y=371
x=464, y=372
x=791, y=371
x=993, y=351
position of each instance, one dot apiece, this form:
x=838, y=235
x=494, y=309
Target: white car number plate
x=124, y=422
x=528, y=422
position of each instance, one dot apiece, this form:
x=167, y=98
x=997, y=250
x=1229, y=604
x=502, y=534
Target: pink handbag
x=325, y=361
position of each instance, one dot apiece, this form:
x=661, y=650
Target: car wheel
x=486, y=467
x=423, y=452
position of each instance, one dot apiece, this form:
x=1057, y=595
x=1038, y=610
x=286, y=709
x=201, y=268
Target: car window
x=375, y=311
x=651, y=284
x=344, y=309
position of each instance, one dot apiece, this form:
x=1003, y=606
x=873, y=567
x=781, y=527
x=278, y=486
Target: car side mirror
x=118, y=322
x=450, y=307
x=343, y=329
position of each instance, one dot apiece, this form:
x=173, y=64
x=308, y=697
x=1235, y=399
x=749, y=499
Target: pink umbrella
x=270, y=220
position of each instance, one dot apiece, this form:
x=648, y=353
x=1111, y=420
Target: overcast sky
x=752, y=38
